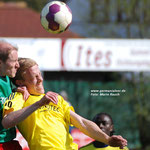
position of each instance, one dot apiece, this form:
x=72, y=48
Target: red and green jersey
x=5, y=90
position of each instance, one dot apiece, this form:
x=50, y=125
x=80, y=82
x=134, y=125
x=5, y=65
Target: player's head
x=30, y=76
x=8, y=59
x=105, y=123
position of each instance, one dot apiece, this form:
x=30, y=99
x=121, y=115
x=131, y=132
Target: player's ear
x=19, y=82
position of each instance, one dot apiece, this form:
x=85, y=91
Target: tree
x=141, y=105
x=114, y=18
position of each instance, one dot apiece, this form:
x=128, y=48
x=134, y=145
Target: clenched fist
x=117, y=141
x=49, y=97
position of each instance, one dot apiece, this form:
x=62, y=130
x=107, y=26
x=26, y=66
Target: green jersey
x=5, y=90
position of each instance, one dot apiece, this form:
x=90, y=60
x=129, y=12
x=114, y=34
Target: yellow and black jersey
x=48, y=127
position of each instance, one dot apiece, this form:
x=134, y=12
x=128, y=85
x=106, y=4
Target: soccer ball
x=56, y=17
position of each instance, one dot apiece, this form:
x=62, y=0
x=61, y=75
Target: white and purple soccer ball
x=56, y=17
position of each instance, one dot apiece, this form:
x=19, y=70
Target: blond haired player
x=45, y=125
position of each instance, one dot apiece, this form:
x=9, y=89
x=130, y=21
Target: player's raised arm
x=12, y=118
x=91, y=129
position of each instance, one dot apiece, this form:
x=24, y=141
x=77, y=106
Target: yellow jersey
x=90, y=146
x=48, y=127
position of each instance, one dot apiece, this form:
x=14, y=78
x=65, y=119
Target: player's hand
x=49, y=97
x=52, y=96
x=24, y=91
x=117, y=141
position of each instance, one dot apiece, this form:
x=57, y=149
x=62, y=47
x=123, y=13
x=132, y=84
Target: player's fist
x=117, y=141
x=52, y=96
x=49, y=97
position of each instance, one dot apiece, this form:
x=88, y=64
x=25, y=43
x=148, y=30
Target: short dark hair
x=5, y=51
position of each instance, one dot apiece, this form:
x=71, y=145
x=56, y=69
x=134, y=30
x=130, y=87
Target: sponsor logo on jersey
x=49, y=107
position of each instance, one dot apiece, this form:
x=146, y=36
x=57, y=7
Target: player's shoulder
x=14, y=95
x=125, y=148
x=60, y=99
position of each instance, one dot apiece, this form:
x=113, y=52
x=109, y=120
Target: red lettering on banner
x=79, y=56
x=88, y=57
x=62, y=52
x=98, y=57
x=85, y=57
x=108, y=54
x=106, y=57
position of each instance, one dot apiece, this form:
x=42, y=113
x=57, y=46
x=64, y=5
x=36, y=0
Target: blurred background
x=102, y=62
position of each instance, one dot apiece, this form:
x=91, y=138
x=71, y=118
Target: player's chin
x=12, y=74
x=41, y=90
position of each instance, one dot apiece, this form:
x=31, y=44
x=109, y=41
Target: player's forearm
x=94, y=131
x=89, y=128
x=13, y=118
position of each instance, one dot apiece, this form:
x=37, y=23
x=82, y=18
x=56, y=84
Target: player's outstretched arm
x=12, y=118
x=91, y=129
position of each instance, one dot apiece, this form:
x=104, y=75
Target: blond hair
x=25, y=63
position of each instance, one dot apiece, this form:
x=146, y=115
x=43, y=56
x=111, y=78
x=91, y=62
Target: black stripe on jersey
x=11, y=96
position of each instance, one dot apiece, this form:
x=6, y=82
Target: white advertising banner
x=106, y=55
x=86, y=54
x=46, y=52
